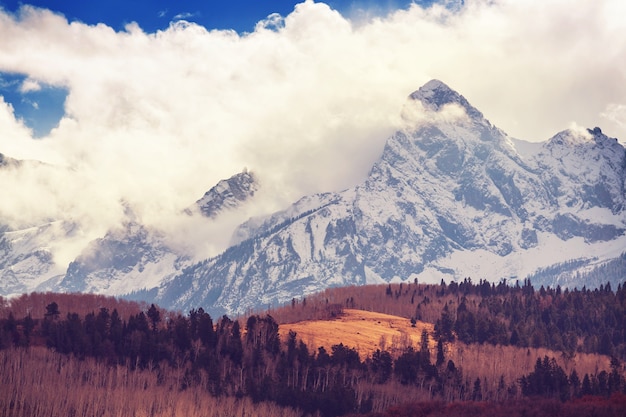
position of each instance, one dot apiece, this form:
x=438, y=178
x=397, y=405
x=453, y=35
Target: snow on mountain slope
x=450, y=197
x=132, y=258
x=585, y=170
x=26, y=260
x=128, y=259
x=136, y=258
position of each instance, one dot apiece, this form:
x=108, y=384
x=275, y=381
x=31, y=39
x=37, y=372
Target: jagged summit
x=583, y=137
x=433, y=85
x=435, y=94
x=228, y=194
x=589, y=163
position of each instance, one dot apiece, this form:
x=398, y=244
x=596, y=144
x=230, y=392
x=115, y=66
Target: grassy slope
x=363, y=330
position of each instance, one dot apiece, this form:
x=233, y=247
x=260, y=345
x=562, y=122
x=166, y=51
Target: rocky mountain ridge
x=228, y=194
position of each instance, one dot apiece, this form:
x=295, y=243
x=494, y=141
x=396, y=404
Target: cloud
x=615, y=113
x=15, y=140
x=306, y=101
x=274, y=21
x=415, y=114
x=29, y=85
x=184, y=15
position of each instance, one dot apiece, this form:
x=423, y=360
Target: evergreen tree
x=440, y=354
x=381, y=366
x=52, y=311
x=155, y=317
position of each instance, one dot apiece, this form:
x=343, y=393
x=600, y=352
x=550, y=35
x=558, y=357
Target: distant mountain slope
x=132, y=258
x=124, y=260
x=25, y=257
x=583, y=272
x=136, y=258
x=450, y=197
x=6, y=161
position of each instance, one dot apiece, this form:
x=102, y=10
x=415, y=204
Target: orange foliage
x=35, y=304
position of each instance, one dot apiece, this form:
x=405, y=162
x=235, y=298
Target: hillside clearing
x=365, y=331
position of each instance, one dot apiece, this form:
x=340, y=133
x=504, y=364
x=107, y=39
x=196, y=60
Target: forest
x=173, y=362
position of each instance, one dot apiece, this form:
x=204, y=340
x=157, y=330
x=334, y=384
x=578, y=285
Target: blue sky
x=153, y=15
x=41, y=109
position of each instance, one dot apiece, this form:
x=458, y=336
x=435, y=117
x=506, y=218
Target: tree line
x=250, y=357
x=225, y=359
x=590, y=321
x=566, y=320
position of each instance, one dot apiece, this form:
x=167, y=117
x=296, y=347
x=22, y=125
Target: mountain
x=136, y=259
x=26, y=260
x=228, y=194
x=129, y=260
x=26, y=257
x=451, y=196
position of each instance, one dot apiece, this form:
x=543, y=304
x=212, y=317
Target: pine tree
x=440, y=354
x=154, y=316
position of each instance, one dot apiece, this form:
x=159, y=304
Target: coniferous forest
x=85, y=355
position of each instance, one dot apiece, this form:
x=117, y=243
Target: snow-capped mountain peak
x=434, y=95
x=228, y=194
x=585, y=168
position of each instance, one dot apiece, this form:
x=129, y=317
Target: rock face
x=451, y=196
x=228, y=194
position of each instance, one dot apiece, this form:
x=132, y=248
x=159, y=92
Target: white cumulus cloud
x=29, y=85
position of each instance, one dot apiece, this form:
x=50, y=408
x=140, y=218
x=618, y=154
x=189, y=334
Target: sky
x=142, y=106
x=42, y=108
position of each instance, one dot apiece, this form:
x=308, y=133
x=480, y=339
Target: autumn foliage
x=479, y=356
